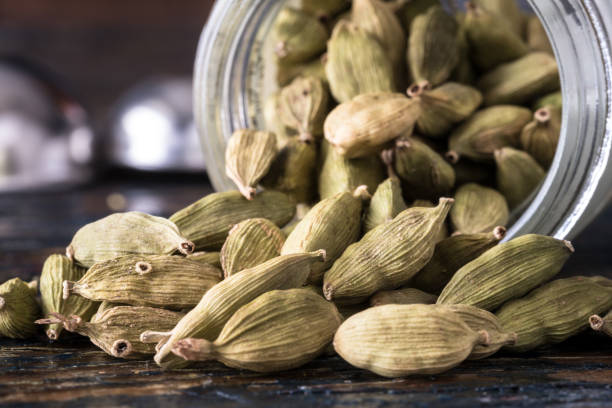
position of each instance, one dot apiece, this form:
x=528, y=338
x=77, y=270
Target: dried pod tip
x=121, y=348
x=542, y=115
x=73, y=323
x=446, y=201
x=403, y=144
x=52, y=334
x=418, y=89
x=328, y=291
x=484, y=338
x=569, y=246
x=2, y=302
x=281, y=49
x=321, y=253
x=498, y=154
x=596, y=322
x=306, y=137
x=186, y=247
x=324, y=59
x=68, y=287
x=143, y=267
x=33, y=284
x=456, y=233
x=452, y=157
x=362, y=192
x=387, y=156
x=150, y=336
x=499, y=232
x=512, y=338
x=70, y=252
x=194, y=349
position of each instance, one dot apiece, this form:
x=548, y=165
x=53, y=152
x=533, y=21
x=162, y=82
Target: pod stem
x=151, y=336
x=52, y=334
x=596, y=322
x=194, y=349
x=484, y=338
x=70, y=252
x=2, y=302
x=418, y=88
x=68, y=288
x=186, y=247
x=569, y=246
x=362, y=193
x=452, y=157
x=143, y=267
x=319, y=253
x=72, y=323
x=387, y=158
x=542, y=116
x=328, y=291
x=121, y=348
x=499, y=232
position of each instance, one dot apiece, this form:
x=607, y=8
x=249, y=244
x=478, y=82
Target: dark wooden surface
x=72, y=373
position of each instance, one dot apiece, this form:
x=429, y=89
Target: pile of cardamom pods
x=266, y=278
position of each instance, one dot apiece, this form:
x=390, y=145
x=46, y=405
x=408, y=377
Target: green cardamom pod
x=602, y=324
x=285, y=73
x=518, y=175
x=507, y=11
x=124, y=234
x=332, y=224
x=433, y=50
x=104, y=306
x=405, y=296
x=554, y=99
x=18, y=309
x=323, y=8
x=486, y=131
x=400, y=340
x=303, y=107
x=210, y=258
x=386, y=203
x=250, y=243
x=57, y=269
x=117, y=330
x=248, y=157
x=300, y=213
x=539, y=137
x=450, y=255
x=443, y=234
x=208, y=221
x=357, y=63
x=464, y=72
x=507, y=271
x=215, y=308
x=363, y=125
x=170, y=282
x=267, y=334
x=411, y=9
x=274, y=124
x=478, y=209
x=339, y=174
x=293, y=171
x=554, y=311
x=387, y=256
x=520, y=81
x=299, y=36
x=537, y=39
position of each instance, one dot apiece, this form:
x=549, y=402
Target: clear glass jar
x=232, y=79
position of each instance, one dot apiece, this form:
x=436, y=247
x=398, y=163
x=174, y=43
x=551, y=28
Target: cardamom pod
x=400, y=340
x=356, y=63
x=250, y=243
x=464, y=71
x=508, y=12
x=507, y=271
x=210, y=258
x=492, y=41
x=170, y=282
x=405, y=296
x=433, y=51
x=300, y=213
x=443, y=234
x=339, y=174
x=293, y=171
x=468, y=171
x=518, y=175
x=274, y=124
x=215, y=308
x=248, y=157
x=555, y=311
x=486, y=131
x=208, y=221
x=537, y=39
x=539, y=137
x=554, y=99
x=478, y=209
x=386, y=203
x=303, y=107
x=117, y=330
x=324, y=8
x=363, y=125
x=450, y=255
x=267, y=334
x=411, y=9
x=18, y=309
x=387, y=256
x=124, y=234
x=299, y=36
x=285, y=73
x=602, y=324
x=104, y=306
x=57, y=269
x=333, y=224
x=520, y=81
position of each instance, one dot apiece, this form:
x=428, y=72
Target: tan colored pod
x=250, y=243
x=216, y=307
x=299, y=36
x=211, y=258
x=386, y=203
x=332, y=224
x=18, y=309
x=279, y=330
x=57, y=269
x=363, y=125
x=507, y=271
x=401, y=340
x=116, y=330
x=125, y=234
x=303, y=106
x=518, y=175
x=170, y=282
x=602, y=324
x=357, y=63
x=404, y=296
x=555, y=311
x=508, y=12
x=486, y=131
x=208, y=221
x=539, y=137
x=450, y=255
x=520, y=81
x=537, y=39
x=478, y=209
x=387, y=256
x=248, y=156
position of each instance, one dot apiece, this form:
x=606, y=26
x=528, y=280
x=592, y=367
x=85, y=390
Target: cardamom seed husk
x=539, y=137
x=386, y=203
x=299, y=36
x=602, y=324
x=405, y=296
x=518, y=175
x=18, y=309
x=478, y=209
x=303, y=106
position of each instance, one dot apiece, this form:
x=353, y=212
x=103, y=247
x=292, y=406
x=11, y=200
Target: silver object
x=153, y=128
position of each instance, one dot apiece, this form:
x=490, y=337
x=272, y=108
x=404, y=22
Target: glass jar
x=233, y=76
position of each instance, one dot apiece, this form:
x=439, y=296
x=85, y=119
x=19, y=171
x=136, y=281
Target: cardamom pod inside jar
x=458, y=92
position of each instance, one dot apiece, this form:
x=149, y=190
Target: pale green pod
x=518, y=175
x=413, y=8
x=602, y=324
x=387, y=256
x=386, y=203
x=303, y=106
x=170, y=282
x=508, y=11
x=507, y=271
x=404, y=296
x=285, y=73
x=126, y=234
x=274, y=124
x=250, y=243
x=279, y=330
x=208, y=221
x=539, y=137
x=464, y=72
x=478, y=209
x=300, y=213
x=56, y=270
x=324, y=8
x=211, y=258
x=18, y=309
x=555, y=311
x=105, y=305
x=443, y=234
x=537, y=39
x=299, y=36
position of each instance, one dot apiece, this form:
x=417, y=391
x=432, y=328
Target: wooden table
x=72, y=373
